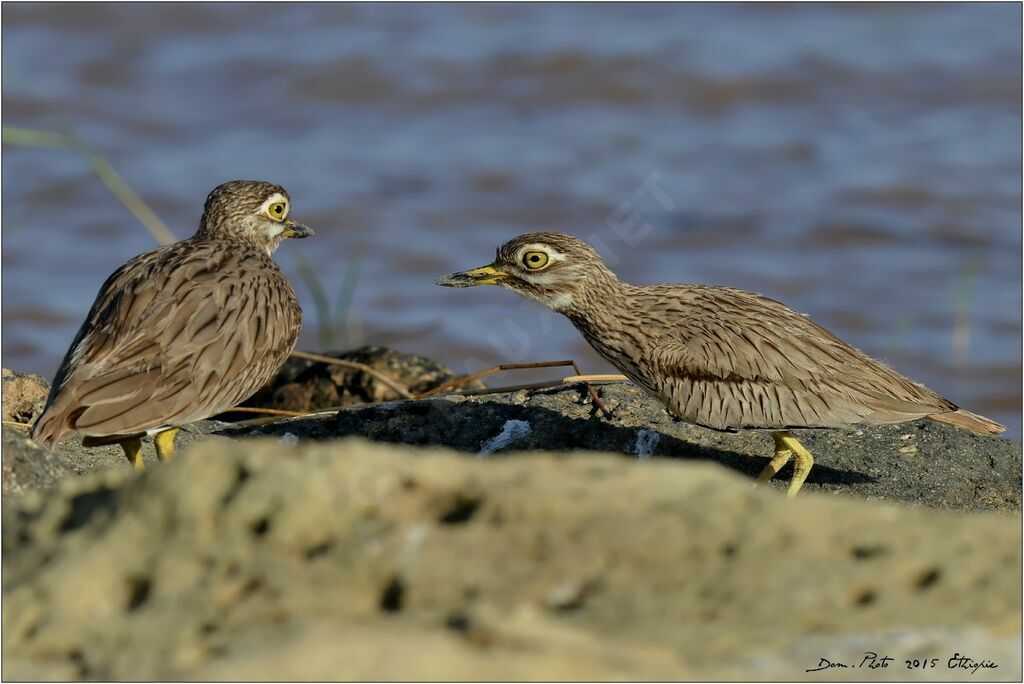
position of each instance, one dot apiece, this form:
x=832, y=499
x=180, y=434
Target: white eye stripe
x=274, y=199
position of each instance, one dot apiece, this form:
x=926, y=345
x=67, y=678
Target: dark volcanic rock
x=303, y=385
x=920, y=463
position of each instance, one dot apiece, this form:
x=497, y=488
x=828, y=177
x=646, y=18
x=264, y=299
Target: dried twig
x=529, y=386
x=255, y=422
x=464, y=379
x=268, y=419
x=404, y=392
x=266, y=411
x=457, y=382
x=17, y=424
x=602, y=378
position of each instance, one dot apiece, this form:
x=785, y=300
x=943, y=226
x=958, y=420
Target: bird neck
x=239, y=235
x=594, y=294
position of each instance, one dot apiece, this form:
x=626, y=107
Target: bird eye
x=535, y=260
x=276, y=210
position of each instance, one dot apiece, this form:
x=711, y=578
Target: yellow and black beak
x=485, y=275
x=294, y=229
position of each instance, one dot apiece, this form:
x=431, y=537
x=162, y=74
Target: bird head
x=554, y=269
x=251, y=211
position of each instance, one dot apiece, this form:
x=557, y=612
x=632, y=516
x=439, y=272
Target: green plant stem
x=104, y=170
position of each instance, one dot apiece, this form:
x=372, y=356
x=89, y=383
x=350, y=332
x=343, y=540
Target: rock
x=352, y=560
x=27, y=467
x=948, y=468
x=24, y=396
x=30, y=468
x=303, y=385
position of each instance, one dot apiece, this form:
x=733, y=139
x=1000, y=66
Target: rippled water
x=860, y=162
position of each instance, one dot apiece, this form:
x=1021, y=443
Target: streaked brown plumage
x=716, y=356
x=183, y=332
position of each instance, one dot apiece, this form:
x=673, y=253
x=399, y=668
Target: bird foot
x=788, y=447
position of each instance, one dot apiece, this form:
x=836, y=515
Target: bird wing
x=727, y=358
x=175, y=335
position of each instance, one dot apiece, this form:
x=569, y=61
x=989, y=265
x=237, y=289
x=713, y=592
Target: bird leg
x=164, y=443
x=786, y=447
x=802, y=464
x=462, y=380
x=133, y=452
x=779, y=459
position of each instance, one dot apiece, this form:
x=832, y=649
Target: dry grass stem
x=404, y=392
x=606, y=378
x=548, y=384
x=104, y=170
x=457, y=382
x=266, y=411
x=463, y=379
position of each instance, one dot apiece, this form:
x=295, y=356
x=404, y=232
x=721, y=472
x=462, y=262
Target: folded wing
x=731, y=359
x=175, y=335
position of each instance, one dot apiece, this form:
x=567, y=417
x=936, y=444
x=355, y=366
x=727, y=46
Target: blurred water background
x=860, y=162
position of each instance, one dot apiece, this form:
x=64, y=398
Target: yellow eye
x=277, y=210
x=535, y=260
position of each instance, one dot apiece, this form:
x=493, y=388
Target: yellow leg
x=164, y=442
x=781, y=457
x=802, y=460
x=133, y=452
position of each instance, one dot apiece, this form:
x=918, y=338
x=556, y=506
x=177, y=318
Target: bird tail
x=49, y=428
x=979, y=425
x=42, y=433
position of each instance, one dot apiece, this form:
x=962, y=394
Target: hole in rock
x=462, y=510
x=138, y=592
x=393, y=596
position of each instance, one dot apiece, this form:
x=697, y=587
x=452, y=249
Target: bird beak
x=485, y=275
x=294, y=229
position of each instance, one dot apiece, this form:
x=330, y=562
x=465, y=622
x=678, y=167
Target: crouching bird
x=718, y=357
x=183, y=332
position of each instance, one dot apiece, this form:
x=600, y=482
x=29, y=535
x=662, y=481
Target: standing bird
x=183, y=332
x=718, y=357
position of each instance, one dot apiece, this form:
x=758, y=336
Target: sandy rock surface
x=263, y=559
x=24, y=395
